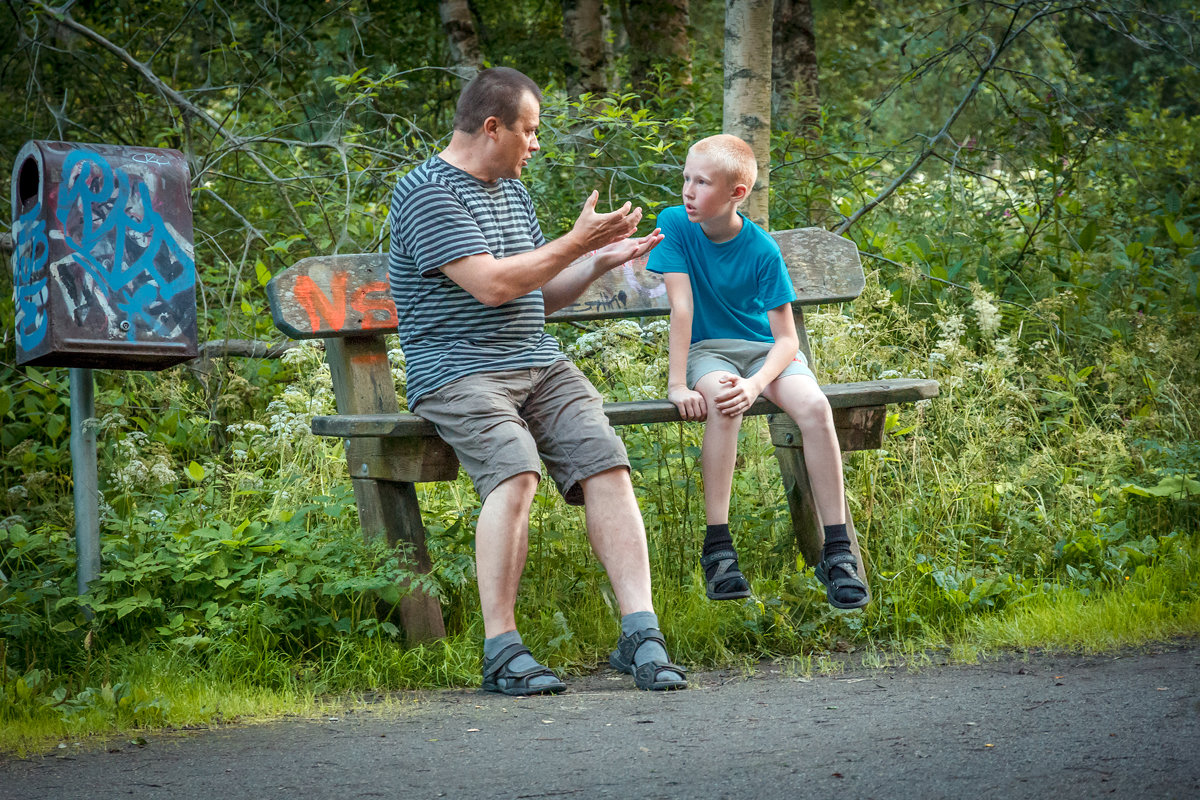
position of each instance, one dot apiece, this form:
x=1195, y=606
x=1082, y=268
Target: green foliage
x=1041, y=264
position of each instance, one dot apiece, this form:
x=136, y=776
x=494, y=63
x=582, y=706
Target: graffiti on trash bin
x=132, y=258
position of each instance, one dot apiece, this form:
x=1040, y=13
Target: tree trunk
x=795, y=91
x=584, y=28
x=459, y=26
x=748, y=90
x=658, y=36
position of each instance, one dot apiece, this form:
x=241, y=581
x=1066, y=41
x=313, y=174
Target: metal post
x=83, y=466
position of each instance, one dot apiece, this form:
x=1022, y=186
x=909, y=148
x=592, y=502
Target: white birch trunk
x=747, y=109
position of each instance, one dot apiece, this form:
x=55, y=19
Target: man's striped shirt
x=440, y=214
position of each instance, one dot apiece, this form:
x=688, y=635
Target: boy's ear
x=740, y=191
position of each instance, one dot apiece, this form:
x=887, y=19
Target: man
x=473, y=279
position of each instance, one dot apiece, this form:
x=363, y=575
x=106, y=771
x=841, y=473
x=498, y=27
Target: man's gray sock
x=492, y=647
x=649, y=651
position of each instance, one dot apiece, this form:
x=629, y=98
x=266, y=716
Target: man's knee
x=607, y=482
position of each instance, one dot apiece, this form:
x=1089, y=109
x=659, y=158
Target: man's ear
x=491, y=126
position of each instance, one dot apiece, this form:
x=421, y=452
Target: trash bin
x=104, y=273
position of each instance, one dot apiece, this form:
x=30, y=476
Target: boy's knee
x=813, y=408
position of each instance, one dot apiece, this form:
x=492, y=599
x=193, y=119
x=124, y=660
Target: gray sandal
x=648, y=676
x=837, y=573
x=497, y=677
x=727, y=581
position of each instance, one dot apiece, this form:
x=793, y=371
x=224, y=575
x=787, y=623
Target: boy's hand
x=689, y=402
x=738, y=398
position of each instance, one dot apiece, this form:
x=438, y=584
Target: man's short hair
x=732, y=156
x=494, y=92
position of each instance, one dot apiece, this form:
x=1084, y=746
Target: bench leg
x=389, y=509
x=806, y=522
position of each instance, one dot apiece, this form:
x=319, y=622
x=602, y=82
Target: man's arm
x=495, y=281
x=679, y=293
x=566, y=287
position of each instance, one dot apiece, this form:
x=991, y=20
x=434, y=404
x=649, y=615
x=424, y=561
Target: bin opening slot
x=28, y=183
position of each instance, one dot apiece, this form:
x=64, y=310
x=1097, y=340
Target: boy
x=732, y=338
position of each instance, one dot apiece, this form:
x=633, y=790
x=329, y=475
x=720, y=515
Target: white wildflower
x=17, y=492
x=155, y=516
x=952, y=328
x=986, y=310
x=162, y=473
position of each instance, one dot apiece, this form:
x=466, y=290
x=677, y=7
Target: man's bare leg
x=501, y=546
x=618, y=538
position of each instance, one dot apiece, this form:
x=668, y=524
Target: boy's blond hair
x=732, y=156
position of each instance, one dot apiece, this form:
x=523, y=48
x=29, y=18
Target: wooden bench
x=345, y=301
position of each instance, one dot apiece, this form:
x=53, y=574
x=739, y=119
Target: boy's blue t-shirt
x=734, y=284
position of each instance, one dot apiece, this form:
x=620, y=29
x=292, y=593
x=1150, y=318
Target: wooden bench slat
x=348, y=295
x=841, y=395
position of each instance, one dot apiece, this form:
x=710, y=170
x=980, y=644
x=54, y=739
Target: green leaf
x=1088, y=237
x=195, y=471
x=1178, y=231
x=1171, y=486
x=264, y=274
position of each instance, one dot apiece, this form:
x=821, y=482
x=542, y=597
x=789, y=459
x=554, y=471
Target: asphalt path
x=1036, y=726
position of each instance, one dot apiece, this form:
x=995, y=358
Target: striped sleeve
x=434, y=228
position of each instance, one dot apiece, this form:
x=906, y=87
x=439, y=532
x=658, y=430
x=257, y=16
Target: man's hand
x=599, y=230
x=627, y=249
x=689, y=402
x=738, y=398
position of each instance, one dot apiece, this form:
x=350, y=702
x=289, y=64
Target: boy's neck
x=722, y=228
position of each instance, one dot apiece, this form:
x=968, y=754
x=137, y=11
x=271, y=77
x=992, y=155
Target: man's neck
x=723, y=228
x=464, y=152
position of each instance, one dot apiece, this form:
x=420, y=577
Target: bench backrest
x=348, y=295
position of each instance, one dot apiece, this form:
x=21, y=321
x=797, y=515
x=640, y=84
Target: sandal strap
x=656, y=669
x=718, y=555
x=505, y=656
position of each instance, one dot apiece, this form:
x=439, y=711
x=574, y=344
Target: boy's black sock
x=717, y=537
x=837, y=540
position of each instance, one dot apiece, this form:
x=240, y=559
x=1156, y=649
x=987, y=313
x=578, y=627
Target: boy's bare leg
x=806, y=404
x=718, y=456
x=501, y=545
x=801, y=399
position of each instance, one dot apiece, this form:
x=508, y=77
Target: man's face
x=517, y=144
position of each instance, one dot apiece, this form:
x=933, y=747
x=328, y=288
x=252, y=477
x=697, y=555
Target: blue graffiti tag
x=109, y=235
x=30, y=280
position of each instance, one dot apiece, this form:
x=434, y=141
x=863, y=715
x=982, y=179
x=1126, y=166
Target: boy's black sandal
x=839, y=573
x=497, y=677
x=648, y=676
x=727, y=581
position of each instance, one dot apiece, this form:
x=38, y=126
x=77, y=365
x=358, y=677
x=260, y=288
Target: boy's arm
x=679, y=293
x=742, y=392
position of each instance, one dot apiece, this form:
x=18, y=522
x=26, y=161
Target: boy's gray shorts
x=502, y=424
x=739, y=356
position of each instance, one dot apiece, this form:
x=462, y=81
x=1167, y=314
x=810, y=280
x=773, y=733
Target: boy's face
x=708, y=193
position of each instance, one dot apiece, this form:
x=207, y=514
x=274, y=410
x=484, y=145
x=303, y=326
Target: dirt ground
x=1044, y=726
